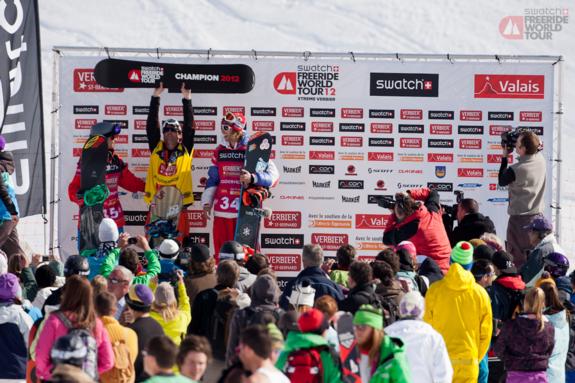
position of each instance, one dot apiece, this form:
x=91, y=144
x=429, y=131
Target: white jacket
x=16, y=314
x=425, y=351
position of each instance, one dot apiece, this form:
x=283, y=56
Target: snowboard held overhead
x=200, y=78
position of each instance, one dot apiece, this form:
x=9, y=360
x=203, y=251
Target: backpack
x=390, y=310
x=90, y=364
x=304, y=366
x=388, y=305
x=261, y=315
x=123, y=370
x=219, y=325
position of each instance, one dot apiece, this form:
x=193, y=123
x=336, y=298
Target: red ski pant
x=224, y=230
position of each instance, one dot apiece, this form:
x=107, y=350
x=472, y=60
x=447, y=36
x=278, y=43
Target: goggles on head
x=171, y=125
x=233, y=121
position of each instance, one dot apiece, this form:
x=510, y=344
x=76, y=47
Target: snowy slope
x=314, y=25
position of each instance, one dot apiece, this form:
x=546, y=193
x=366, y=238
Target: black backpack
x=388, y=305
x=219, y=326
x=261, y=315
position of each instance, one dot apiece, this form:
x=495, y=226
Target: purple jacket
x=521, y=345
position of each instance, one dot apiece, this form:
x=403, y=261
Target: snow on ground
x=389, y=26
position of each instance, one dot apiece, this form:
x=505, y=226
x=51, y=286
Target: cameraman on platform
x=417, y=217
x=526, y=184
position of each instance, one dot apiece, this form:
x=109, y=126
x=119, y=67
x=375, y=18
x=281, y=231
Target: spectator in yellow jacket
x=173, y=317
x=124, y=341
x=460, y=310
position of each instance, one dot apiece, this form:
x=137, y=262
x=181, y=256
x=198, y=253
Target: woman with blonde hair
x=173, y=317
x=526, y=342
x=382, y=357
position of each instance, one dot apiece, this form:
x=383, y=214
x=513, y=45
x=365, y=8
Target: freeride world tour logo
x=310, y=82
x=535, y=24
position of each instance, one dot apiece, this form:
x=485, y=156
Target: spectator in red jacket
x=416, y=216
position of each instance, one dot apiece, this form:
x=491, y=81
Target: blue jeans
x=483, y=370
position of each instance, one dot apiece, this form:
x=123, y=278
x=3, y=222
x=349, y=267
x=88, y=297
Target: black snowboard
x=200, y=78
x=256, y=159
x=92, y=173
x=348, y=351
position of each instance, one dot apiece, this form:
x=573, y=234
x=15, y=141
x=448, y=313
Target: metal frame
x=158, y=53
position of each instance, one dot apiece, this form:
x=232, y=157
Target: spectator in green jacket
x=125, y=255
x=382, y=357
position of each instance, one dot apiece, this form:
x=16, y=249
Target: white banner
x=344, y=132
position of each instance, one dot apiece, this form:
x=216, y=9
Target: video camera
x=509, y=138
x=385, y=201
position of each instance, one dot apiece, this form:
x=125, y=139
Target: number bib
x=230, y=163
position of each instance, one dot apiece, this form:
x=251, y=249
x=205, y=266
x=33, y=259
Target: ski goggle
x=171, y=125
x=231, y=121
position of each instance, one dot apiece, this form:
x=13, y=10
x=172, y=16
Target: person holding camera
x=471, y=223
x=525, y=181
x=417, y=217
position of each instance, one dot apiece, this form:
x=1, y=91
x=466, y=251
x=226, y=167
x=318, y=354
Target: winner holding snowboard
x=117, y=175
x=226, y=177
x=171, y=156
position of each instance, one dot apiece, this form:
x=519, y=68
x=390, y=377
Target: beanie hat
x=3, y=262
x=2, y=143
x=412, y=305
x=368, y=315
x=169, y=249
x=275, y=333
x=139, y=298
x=477, y=242
x=302, y=294
x=108, y=231
x=504, y=262
x=200, y=253
x=313, y=321
x=462, y=253
x=9, y=288
x=164, y=294
x=482, y=251
x=545, y=278
x=407, y=245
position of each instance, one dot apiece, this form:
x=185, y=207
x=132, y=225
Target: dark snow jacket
x=522, y=346
x=473, y=225
x=318, y=280
x=506, y=295
x=359, y=295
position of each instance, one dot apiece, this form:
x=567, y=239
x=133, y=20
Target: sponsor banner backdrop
x=344, y=132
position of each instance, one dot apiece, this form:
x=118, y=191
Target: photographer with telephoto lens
x=525, y=180
x=417, y=217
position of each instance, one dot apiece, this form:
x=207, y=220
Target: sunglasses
x=172, y=129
